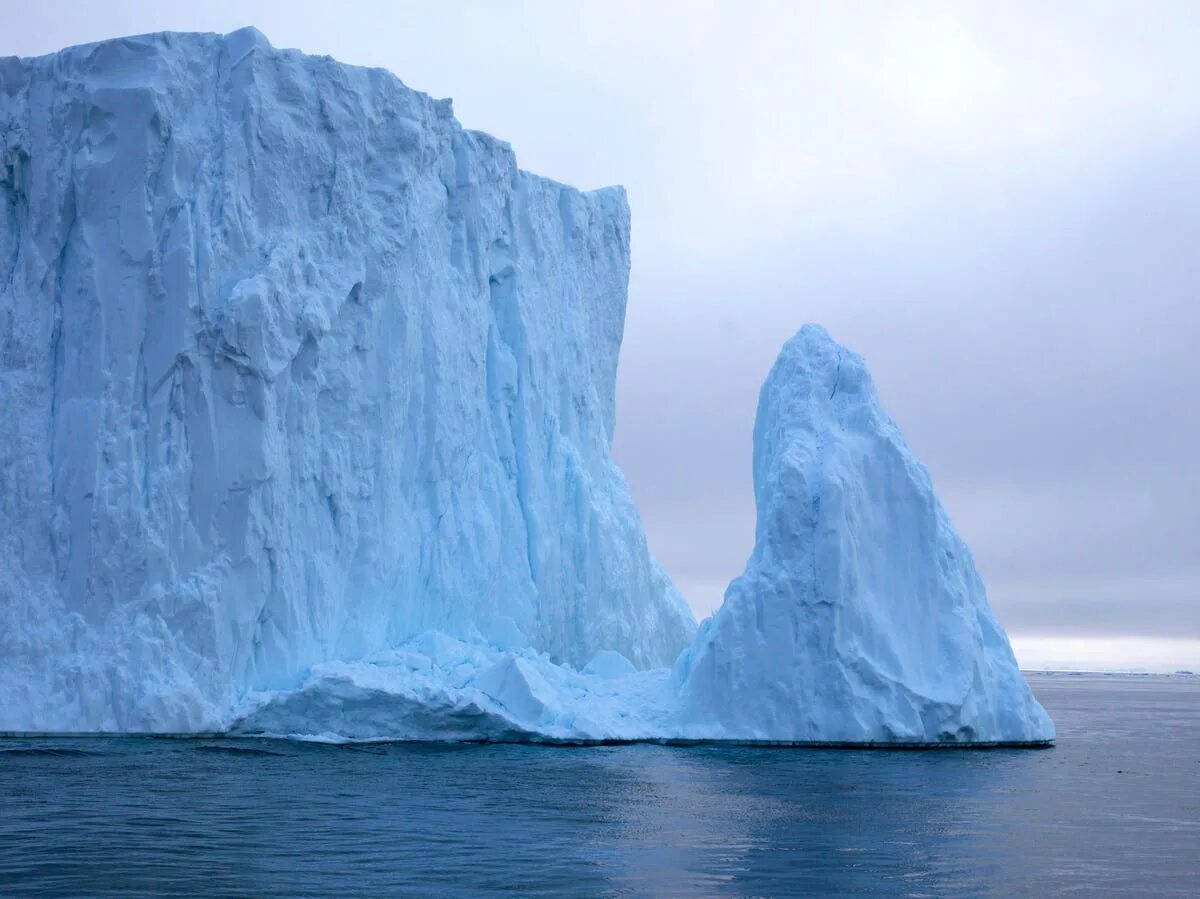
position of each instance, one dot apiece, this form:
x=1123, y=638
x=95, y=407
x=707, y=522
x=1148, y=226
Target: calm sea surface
x=1114, y=808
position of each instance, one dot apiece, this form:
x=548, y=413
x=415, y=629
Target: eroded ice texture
x=860, y=616
x=294, y=370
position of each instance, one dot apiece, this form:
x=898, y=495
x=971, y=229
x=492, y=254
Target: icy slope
x=293, y=370
x=860, y=616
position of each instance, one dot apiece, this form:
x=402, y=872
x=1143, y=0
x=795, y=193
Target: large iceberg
x=307, y=396
x=293, y=369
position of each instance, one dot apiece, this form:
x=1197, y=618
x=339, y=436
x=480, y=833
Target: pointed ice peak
x=815, y=363
x=860, y=616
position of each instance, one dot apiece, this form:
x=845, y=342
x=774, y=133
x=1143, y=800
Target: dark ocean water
x=1114, y=808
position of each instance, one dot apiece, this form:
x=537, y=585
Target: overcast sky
x=998, y=205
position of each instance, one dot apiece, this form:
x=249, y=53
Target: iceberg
x=293, y=369
x=860, y=617
x=307, y=400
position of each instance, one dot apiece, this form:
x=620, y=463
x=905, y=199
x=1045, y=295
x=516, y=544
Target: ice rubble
x=308, y=396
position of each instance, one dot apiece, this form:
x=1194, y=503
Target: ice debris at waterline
x=308, y=399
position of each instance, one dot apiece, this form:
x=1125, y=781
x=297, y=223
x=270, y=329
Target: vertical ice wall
x=292, y=367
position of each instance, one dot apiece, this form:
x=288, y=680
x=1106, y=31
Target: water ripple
x=1112, y=809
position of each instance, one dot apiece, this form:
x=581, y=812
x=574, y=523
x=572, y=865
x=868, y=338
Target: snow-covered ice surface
x=307, y=399
x=860, y=616
x=293, y=369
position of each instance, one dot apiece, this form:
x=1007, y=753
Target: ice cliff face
x=860, y=616
x=293, y=369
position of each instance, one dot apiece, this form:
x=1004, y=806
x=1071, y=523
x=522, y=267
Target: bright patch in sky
x=937, y=75
x=1156, y=654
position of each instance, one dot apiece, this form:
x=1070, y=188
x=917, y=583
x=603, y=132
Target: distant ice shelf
x=307, y=397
